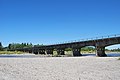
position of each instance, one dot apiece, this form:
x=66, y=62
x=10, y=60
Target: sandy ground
x=60, y=68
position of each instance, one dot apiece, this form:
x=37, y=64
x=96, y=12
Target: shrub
x=68, y=55
x=10, y=52
x=118, y=58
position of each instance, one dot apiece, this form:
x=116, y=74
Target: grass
x=10, y=52
x=55, y=54
x=118, y=58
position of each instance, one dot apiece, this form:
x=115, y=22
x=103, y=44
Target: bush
x=68, y=55
x=10, y=52
x=118, y=58
x=55, y=54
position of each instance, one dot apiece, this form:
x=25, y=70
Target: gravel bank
x=60, y=68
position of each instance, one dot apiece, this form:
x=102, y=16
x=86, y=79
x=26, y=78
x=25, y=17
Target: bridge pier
x=36, y=52
x=76, y=52
x=41, y=52
x=100, y=51
x=49, y=52
x=30, y=51
x=60, y=52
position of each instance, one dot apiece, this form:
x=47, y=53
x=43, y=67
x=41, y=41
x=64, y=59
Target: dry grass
x=10, y=52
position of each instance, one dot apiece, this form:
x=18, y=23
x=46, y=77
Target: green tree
x=18, y=45
x=9, y=46
x=88, y=48
x=1, y=47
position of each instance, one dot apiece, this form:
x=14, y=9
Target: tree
x=18, y=45
x=88, y=48
x=9, y=46
x=1, y=47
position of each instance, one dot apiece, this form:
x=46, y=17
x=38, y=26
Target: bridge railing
x=87, y=39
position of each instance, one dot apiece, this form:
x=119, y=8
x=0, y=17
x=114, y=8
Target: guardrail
x=87, y=39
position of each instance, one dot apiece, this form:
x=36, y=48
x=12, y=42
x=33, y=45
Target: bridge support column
x=76, y=52
x=60, y=52
x=49, y=52
x=30, y=51
x=36, y=52
x=41, y=51
x=100, y=51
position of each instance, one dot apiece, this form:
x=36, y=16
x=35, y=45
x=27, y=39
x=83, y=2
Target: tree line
x=15, y=46
x=118, y=49
x=18, y=45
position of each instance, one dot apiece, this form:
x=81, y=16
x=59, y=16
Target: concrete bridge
x=99, y=45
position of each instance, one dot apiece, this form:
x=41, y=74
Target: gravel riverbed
x=60, y=68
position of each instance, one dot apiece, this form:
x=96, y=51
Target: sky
x=54, y=21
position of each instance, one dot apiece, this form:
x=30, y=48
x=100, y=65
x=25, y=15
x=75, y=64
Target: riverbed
x=31, y=67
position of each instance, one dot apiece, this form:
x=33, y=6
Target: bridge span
x=99, y=45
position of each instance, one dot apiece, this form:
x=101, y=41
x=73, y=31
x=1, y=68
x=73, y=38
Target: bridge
x=98, y=43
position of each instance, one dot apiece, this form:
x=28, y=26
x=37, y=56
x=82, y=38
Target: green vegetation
x=10, y=52
x=116, y=50
x=118, y=58
x=88, y=49
x=1, y=47
x=17, y=45
x=3, y=50
x=68, y=49
x=55, y=54
x=68, y=54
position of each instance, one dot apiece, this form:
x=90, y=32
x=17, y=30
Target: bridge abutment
x=100, y=51
x=76, y=52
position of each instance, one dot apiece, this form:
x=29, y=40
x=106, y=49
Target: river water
x=115, y=54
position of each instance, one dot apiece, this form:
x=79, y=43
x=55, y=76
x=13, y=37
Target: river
x=113, y=54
